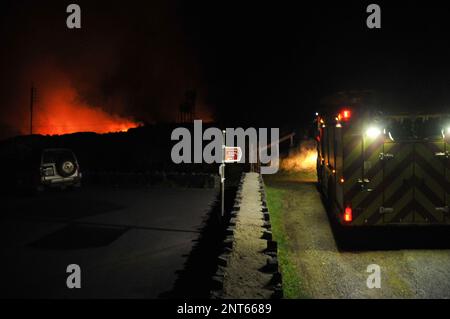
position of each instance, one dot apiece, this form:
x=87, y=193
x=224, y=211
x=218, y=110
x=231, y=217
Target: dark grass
x=276, y=197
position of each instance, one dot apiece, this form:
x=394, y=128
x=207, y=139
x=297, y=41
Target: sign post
x=222, y=187
x=231, y=154
x=222, y=177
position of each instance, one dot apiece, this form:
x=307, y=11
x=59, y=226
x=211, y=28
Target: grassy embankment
x=283, y=201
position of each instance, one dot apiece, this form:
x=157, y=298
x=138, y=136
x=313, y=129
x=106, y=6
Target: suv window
x=51, y=156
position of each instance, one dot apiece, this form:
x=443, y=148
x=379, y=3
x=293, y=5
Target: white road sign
x=233, y=154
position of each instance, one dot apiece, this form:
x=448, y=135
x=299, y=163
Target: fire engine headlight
x=445, y=131
x=373, y=132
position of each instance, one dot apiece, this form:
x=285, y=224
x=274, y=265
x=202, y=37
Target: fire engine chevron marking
x=399, y=193
x=372, y=213
x=423, y=178
x=432, y=147
x=355, y=167
x=403, y=191
x=424, y=212
x=369, y=152
x=396, y=172
x=437, y=176
x=373, y=200
x=351, y=144
x=403, y=212
x=404, y=203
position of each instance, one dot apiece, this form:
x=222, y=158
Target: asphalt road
x=414, y=264
x=129, y=243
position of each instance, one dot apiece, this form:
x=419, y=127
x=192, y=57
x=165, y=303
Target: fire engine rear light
x=348, y=216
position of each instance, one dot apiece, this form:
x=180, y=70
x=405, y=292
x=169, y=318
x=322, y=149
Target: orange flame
x=58, y=111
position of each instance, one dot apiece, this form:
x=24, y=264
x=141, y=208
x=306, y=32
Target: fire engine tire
x=65, y=167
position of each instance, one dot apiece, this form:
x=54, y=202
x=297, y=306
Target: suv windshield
x=52, y=156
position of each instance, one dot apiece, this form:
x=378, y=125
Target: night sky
x=258, y=64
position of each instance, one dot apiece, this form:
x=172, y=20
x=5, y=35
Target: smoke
x=302, y=160
x=126, y=65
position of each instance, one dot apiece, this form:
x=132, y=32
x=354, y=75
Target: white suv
x=59, y=168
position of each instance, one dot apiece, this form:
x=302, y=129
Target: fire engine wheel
x=65, y=167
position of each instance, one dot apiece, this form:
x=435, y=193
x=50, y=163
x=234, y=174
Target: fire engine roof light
x=373, y=132
x=344, y=115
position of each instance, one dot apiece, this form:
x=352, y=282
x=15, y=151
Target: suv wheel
x=65, y=167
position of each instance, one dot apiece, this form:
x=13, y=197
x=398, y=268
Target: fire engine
x=378, y=169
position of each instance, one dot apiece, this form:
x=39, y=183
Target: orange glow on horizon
x=58, y=111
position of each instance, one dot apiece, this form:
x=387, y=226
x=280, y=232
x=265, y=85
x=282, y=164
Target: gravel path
x=327, y=272
x=242, y=277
